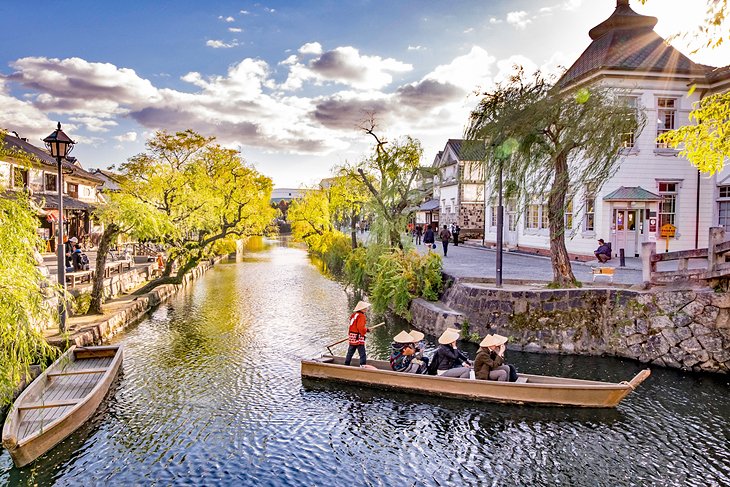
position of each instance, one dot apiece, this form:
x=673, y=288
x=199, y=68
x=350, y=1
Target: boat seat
x=77, y=372
x=50, y=404
x=521, y=380
x=325, y=360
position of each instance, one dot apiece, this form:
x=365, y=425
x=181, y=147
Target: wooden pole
x=345, y=339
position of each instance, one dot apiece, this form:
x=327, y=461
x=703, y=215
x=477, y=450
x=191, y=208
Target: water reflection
x=211, y=395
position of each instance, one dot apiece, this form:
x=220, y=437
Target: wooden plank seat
x=76, y=372
x=604, y=272
x=50, y=404
x=117, y=267
x=74, y=278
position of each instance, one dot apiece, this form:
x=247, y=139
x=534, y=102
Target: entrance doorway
x=628, y=225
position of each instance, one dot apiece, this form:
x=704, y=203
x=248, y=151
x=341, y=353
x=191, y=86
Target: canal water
x=211, y=394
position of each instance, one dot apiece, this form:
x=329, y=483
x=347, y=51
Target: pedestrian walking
x=445, y=236
x=429, y=238
x=457, y=230
x=419, y=233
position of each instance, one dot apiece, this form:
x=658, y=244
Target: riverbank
x=119, y=313
x=686, y=329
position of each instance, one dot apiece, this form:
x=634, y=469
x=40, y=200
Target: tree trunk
x=168, y=279
x=97, y=291
x=353, y=233
x=562, y=270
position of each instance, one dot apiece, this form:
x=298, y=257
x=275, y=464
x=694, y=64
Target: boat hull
x=539, y=390
x=25, y=450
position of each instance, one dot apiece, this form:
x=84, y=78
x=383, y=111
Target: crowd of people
x=426, y=235
x=407, y=353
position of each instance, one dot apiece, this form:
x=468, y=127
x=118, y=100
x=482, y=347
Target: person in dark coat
x=445, y=236
x=419, y=234
x=429, y=238
x=603, y=252
x=449, y=361
x=456, y=231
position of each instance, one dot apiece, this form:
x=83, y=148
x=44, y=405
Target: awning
x=52, y=216
x=632, y=193
x=429, y=205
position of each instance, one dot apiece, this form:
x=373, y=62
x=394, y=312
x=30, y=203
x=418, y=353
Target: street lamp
x=60, y=145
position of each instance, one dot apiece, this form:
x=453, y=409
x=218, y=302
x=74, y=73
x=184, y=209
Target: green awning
x=632, y=193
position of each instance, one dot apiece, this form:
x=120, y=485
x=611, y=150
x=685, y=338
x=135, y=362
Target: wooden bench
x=604, y=272
x=117, y=267
x=79, y=276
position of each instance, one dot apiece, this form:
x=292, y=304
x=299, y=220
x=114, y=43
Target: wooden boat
x=59, y=401
x=537, y=389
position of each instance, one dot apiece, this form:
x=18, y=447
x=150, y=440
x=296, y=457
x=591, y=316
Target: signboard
x=652, y=225
x=668, y=230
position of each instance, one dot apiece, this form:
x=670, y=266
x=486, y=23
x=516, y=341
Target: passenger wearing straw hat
x=418, y=342
x=402, y=358
x=489, y=363
x=356, y=333
x=448, y=361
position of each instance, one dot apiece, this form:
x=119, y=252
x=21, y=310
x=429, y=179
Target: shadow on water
x=211, y=394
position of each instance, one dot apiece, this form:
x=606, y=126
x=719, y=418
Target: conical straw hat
x=403, y=337
x=417, y=335
x=493, y=341
x=448, y=336
x=361, y=306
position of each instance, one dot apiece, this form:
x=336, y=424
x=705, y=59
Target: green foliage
x=224, y=246
x=22, y=307
x=400, y=276
x=336, y=251
x=81, y=303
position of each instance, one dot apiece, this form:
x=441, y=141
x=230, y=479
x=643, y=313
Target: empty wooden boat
x=60, y=400
x=532, y=389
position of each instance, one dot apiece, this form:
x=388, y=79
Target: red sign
x=652, y=224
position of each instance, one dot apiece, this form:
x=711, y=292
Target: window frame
x=668, y=194
x=668, y=111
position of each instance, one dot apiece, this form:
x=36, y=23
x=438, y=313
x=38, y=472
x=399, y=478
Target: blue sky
x=285, y=81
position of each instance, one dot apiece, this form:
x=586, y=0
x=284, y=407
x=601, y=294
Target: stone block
x=722, y=356
x=681, y=319
x=670, y=336
x=659, y=362
x=671, y=301
x=694, y=309
x=701, y=356
x=689, y=361
x=568, y=347
x=532, y=347
x=635, y=339
x=708, y=317
x=677, y=353
x=635, y=350
x=670, y=362
x=656, y=346
x=709, y=366
x=711, y=343
x=683, y=333
x=721, y=300
x=723, y=319
x=642, y=326
x=699, y=330
x=660, y=322
x=690, y=345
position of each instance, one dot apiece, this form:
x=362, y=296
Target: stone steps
x=434, y=317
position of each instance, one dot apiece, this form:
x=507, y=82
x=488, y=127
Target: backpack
x=84, y=259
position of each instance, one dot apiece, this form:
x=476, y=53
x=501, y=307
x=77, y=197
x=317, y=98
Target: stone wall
x=688, y=329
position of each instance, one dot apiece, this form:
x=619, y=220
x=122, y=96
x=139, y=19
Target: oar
x=345, y=339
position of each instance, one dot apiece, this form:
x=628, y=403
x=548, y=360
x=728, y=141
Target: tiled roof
x=468, y=150
x=69, y=203
x=429, y=205
x=626, y=41
x=632, y=193
x=111, y=181
x=45, y=158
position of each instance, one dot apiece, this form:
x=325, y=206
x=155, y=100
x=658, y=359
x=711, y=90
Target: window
x=590, y=213
x=544, y=221
x=50, y=182
x=73, y=190
x=666, y=117
x=494, y=216
x=569, y=214
x=668, y=205
x=628, y=139
x=18, y=177
x=723, y=206
x=453, y=205
x=533, y=217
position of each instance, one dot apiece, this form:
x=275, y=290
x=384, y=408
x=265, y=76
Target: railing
x=713, y=257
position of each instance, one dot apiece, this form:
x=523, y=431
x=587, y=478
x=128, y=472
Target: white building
x=458, y=187
x=80, y=194
x=652, y=186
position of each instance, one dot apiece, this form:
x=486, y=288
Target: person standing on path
x=445, y=236
x=419, y=233
x=456, y=231
x=356, y=333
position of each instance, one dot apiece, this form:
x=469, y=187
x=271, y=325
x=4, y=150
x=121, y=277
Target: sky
x=287, y=83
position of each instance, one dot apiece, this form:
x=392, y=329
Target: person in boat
x=489, y=363
x=420, y=348
x=449, y=361
x=403, y=355
x=356, y=333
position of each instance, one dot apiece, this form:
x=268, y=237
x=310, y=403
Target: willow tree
x=203, y=194
x=347, y=197
x=391, y=175
x=311, y=219
x=559, y=139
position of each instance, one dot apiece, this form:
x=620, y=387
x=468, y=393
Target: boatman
x=357, y=331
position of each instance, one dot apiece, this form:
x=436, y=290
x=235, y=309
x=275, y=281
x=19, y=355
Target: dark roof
x=633, y=193
x=111, y=180
x=626, y=41
x=14, y=143
x=69, y=203
x=429, y=205
x=718, y=74
x=468, y=150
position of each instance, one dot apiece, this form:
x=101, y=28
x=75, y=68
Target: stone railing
x=714, y=258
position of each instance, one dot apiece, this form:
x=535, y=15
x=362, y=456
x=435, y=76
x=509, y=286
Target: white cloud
x=518, y=19
x=311, y=48
x=416, y=48
x=469, y=71
x=217, y=44
x=495, y=20
x=94, y=124
x=244, y=12
x=23, y=116
x=572, y=4
x=226, y=19
x=235, y=29
x=127, y=137
x=469, y=30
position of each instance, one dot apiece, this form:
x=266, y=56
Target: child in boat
x=489, y=363
x=449, y=361
x=402, y=357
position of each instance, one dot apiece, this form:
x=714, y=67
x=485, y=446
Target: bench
x=607, y=272
x=117, y=267
x=79, y=276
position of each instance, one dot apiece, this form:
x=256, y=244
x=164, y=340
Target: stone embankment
x=121, y=313
x=687, y=329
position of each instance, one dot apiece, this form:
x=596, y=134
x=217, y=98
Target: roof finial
x=622, y=2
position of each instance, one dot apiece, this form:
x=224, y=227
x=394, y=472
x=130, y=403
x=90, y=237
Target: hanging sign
x=652, y=225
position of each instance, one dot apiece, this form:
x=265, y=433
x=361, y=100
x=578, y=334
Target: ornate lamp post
x=60, y=145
